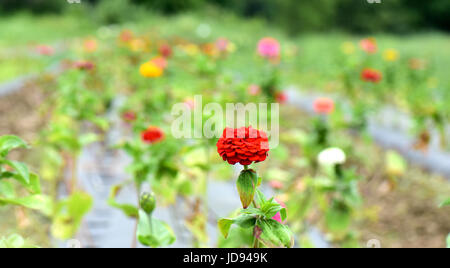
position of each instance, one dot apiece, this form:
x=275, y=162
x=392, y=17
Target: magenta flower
x=277, y=216
x=269, y=48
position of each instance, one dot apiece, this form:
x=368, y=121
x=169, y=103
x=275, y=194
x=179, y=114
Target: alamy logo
x=374, y=1
x=74, y=1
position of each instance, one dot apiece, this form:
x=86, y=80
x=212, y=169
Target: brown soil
x=19, y=112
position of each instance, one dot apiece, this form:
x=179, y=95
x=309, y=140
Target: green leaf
x=13, y=241
x=283, y=214
x=338, y=217
x=7, y=143
x=445, y=203
x=153, y=232
x=69, y=214
x=89, y=138
x=260, y=199
x=7, y=189
x=245, y=221
x=21, y=169
x=448, y=241
x=224, y=226
x=271, y=209
x=395, y=164
x=128, y=209
x=35, y=184
x=37, y=202
x=275, y=234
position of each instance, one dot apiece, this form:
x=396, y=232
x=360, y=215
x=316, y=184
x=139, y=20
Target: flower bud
x=246, y=185
x=148, y=202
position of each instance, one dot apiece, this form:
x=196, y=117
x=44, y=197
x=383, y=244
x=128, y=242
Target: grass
x=22, y=32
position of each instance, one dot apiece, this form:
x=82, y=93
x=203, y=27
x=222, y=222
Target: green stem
x=245, y=167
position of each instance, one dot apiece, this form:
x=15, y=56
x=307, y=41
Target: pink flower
x=129, y=116
x=222, y=44
x=254, y=90
x=276, y=184
x=369, y=45
x=281, y=97
x=269, y=48
x=277, y=216
x=324, y=106
x=45, y=50
x=84, y=65
x=190, y=103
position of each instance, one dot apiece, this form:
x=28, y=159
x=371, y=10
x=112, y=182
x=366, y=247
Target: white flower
x=331, y=157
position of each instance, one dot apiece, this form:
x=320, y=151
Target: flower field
x=209, y=130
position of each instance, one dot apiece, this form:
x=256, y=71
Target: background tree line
x=398, y=16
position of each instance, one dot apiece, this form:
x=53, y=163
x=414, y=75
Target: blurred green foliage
x=398, y=16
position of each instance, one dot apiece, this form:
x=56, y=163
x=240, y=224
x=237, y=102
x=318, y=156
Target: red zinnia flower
x=371, y=75
x=165, y=50
x=244, y=145
x=152, y=135
x=324, y=106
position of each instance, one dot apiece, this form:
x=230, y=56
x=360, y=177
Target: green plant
x=13, y=171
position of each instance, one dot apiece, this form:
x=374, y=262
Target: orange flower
x=151, y=70
x=90, y=45
x=126, y=36
x=161, y=62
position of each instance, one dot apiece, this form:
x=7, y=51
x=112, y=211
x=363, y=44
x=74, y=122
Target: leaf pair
x=153, y=232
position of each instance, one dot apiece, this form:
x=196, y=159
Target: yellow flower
x=137, y=45
x=151, y=70
x=390, y=55
x=231, y=47
x=191, y=49
x=348, y=48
